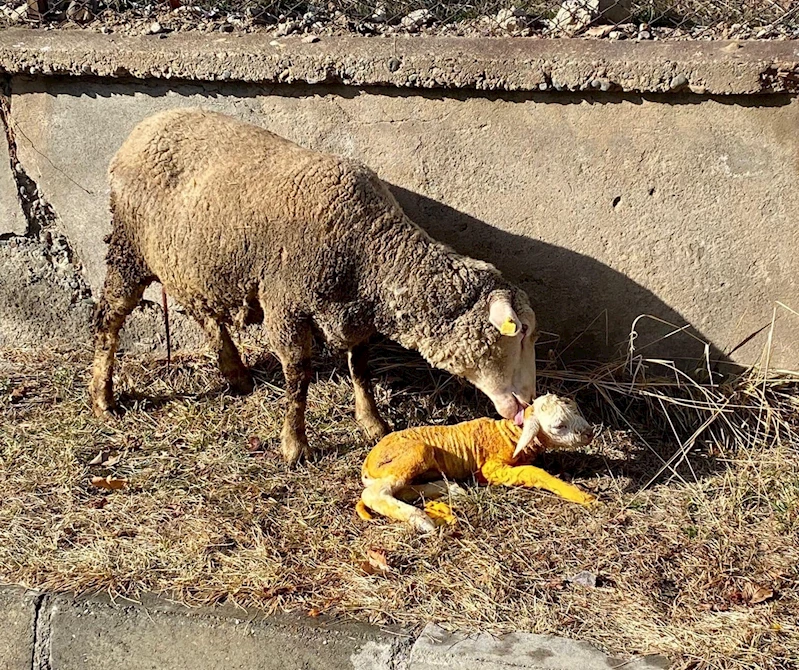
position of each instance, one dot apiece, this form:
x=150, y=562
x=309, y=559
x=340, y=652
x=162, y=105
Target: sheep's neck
x=422, y=288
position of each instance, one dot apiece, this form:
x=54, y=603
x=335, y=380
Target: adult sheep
x=242, y=226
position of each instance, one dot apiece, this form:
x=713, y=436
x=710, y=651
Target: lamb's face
x=507, y=371
x=560, y=425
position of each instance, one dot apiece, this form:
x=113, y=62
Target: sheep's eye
x=559, y=426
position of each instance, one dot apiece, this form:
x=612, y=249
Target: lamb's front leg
x=366, y=413
x=292, y=344
x=530, y=476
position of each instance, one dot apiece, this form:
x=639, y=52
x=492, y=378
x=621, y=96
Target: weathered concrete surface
x=17, y=616
x=92, y=633
x=88, y=633
x=436, y=648
x=507, y=64
x=12, y=222
x=603, y=206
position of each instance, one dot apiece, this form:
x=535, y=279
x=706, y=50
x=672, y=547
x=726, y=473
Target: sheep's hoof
x=422, y=523
x=293, y=449
x=374, y=427
x=241, y=384
x=103, y=409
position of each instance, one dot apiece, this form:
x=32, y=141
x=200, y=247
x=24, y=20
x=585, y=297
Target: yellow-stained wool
x=495, y=450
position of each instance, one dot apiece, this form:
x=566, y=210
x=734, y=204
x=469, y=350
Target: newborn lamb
x=491, y=449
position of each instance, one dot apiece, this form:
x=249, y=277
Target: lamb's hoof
x=422, y=523
x=293, y=449
x=585, y=499
x=440, y=513
x=241, y=384
x=374, y=427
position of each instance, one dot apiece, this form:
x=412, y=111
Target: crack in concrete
x=42, y=634
x=40, y=216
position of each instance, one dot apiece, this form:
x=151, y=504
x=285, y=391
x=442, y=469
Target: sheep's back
x=214, y=204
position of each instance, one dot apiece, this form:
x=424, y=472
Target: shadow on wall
x=588, y=305
x=585, y=309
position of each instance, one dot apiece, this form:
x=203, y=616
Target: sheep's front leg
x=366, y=413
x=121, y=293
x=294, y=352
x=533, y=477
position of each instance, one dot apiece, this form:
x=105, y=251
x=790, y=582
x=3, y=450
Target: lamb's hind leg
x=366, y=413
x=122, y=291
x=399, y=464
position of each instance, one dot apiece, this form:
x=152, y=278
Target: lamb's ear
x=529, y=432
x=502, y=316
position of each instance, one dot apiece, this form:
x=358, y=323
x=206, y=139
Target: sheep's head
x=555, y=423
x=506, y=371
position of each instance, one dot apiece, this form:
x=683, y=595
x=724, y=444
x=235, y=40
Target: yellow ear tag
x=509, y=327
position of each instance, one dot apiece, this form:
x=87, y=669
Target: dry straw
x=694, y=549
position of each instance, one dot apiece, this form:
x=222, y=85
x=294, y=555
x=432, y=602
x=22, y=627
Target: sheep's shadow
x=586, y=309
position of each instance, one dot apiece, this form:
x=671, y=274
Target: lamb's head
x=555, y=423
x=505, y=371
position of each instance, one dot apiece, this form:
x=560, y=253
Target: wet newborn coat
x=494, y=450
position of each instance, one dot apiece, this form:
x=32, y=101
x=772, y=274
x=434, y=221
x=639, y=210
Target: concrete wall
x=604, y=206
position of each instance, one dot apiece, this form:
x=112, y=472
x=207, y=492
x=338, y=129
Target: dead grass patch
x=695, y=546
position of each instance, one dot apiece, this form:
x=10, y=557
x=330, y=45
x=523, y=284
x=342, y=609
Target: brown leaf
x=105, y=459
x=314, y=612
x=99, y=502
x=98, y=460
x=255, y=445
x=758, y=594
x=109, y=483
x=376, y=563
x=18, y=393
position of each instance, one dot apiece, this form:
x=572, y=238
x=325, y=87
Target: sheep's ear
x=503, y=317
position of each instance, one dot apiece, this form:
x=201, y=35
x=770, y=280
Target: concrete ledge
x=56, y=632
x=510, y=64
x=17, y=623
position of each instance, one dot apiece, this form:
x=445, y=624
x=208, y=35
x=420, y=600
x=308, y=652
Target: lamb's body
x=242, y=226
x=487, y=448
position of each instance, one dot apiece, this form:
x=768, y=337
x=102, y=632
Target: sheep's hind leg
x=295, y=356
x=230, y=364
x=366, y=413
x=122, y=291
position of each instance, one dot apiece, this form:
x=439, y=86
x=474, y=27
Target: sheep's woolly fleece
x=337, y=246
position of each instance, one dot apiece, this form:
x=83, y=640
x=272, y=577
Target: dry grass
x=696, y=526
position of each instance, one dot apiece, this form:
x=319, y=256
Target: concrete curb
x=57, y=632
x=510, y=64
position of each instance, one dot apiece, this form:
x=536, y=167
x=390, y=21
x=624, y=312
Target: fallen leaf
x=18, y=393
x=105, y=459
x=584, y=578
x=314, y=612
x=376, y=563
x=758, y=594
x=111, y=462
x=110, y=483
x=255, y=445
x=98, y=502
x=97, y=460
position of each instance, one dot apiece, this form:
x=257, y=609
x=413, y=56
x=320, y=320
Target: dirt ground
x=698, y=560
